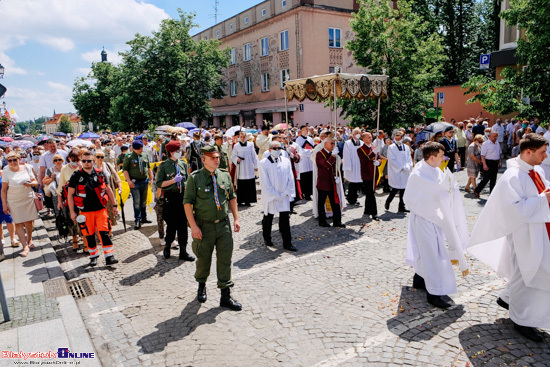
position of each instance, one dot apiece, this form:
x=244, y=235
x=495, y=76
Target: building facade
x=273, y=41
x=52, y=125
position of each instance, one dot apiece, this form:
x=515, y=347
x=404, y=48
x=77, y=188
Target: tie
x=540, y=187
x=178, y=184
x=140, y=165
x=216, y=198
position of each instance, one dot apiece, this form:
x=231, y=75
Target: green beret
x=209, y=149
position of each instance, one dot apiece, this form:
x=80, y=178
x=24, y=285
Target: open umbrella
x=436, y=127
x=177, y=130
x=232, y=129
x=279, y=127
x=192, y=131
x=89, y=135
x=23, y=144
x=29, y=138
x=163, y=128
x=76, y=142
x=59, y=133
x=252, y=131
x=7, y=139
x=187, y=125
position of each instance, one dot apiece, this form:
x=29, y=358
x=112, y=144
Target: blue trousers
x=139, y=195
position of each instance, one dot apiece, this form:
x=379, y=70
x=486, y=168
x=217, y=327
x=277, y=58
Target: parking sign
x=484, y=61
x=441, y=98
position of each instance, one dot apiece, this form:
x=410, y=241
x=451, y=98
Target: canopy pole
x=286, y=111
x=377, y=131
x=335, y=104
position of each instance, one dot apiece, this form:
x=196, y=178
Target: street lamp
x=2, y=71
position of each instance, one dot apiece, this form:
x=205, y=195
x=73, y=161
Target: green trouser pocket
x=196, y=247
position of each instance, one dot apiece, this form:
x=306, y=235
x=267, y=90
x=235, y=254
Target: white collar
x=524, y=165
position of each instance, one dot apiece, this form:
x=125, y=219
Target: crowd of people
x=197, y=179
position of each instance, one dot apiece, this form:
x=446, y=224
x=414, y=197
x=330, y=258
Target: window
x=218, y=33
x=283, y=3
x=233, y=88
x=263, y=12
x=334, y=39
x=205, y=38
x=284, y=40
x=233, y=59
x=248, y=85
x=246, y=55
x=265, y=82
x=285, y=73
x=231, y=26
x=331, y=69
x=265, y=46
x=245, y=20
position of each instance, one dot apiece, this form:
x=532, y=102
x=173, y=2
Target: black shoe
x=146, y=221
x=269, y=243
x=166, y=252
x=293, y=212
x=354, y=203
x=418, y=282
x=161, y=236
x=248, y=204
x=387, y=205
x=308, y=198
x=138, y=224
x=437, y=301
x=324, y=224
x=201, y=293
x=529, y=332
x=404, y=210
x=339, y=225
x=375, y=217
x=186, y=257
x=227, y=301
x=110, y=260
x=93, y=261
x=290, y=247
x=502, y=303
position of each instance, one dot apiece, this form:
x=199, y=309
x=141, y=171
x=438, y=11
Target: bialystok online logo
x=62, y=353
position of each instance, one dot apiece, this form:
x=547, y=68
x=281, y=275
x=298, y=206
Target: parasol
x=59, y=133
x=187, y=125
x=7, y=139
x=231, y=131
x=23, y=144
x=89, y=135
x=177, y=130
x=436, y=127
x=279, y=127
x=192, y=131
x=74, y=143
x=29, y=138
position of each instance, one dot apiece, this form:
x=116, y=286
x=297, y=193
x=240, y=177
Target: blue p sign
x=484, y=61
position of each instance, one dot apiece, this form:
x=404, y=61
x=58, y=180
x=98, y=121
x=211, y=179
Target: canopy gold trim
x=349, y=86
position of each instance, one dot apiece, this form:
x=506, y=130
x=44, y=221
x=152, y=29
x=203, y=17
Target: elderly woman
x=66, y=172
x=113, y=180
x=474, y=161
x=19, y=200
x=51, y=180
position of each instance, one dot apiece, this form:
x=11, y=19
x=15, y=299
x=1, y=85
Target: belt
x=212, y=221
x=136, y=180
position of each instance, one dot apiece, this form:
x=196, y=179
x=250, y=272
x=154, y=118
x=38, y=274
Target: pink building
x=273, y=41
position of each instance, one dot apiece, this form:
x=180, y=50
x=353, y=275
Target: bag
x=62, y=225
x=38, y=201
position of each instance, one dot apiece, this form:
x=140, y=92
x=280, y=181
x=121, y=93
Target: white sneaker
x=3, y=243
x=175, y=244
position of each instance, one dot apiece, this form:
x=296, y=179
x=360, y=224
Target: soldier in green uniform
x=171, y=177
x=222, y=150
x=120, y=159
x=208, y=197
x=138, y=174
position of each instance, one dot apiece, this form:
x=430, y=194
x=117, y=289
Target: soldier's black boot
x=227, y=301
x=201, y=293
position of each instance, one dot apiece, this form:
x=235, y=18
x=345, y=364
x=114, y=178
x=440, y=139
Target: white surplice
x=339, y=184
x=399, y=165
x=351, y=164
x=246, y=169
x=546, y=163
x=305, y=164
x=277, y=185
x=437, y=214
x=511, y=237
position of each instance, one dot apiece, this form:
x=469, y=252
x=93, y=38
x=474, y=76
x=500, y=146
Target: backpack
x=62, y=225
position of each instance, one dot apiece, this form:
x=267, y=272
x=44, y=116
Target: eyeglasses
x=100, y=156
x=87, y=161
x=58, y=160
x=12, y=160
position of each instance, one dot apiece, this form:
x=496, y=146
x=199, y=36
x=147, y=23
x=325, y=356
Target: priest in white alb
x=245, y=159
x=437, y=214
x=277, y=185
x=352, y=166
x=399, y=168
x=512, y=235
x=305, y=166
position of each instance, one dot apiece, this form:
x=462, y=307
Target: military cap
x=124, y=147
x=218, y=136
x=207, y=149
x=173, y=146
x=137, y=144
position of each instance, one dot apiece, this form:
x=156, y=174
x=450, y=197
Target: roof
x=56, y=119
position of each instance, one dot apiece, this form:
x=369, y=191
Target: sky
x=45, y=45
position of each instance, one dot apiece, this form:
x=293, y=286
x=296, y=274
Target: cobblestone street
x=344, y=298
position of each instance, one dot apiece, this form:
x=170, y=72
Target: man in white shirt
x=500, y=130
x=119, y=143
x=490, y=157
x=277, y=184
x=512, y=236
x=149, y=149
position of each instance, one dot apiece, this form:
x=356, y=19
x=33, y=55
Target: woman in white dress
x=19, y=199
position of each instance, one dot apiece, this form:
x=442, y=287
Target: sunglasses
x=12, y=160
x=87, y=161
x=100, y=156
x=58, y=160
x=277, y=148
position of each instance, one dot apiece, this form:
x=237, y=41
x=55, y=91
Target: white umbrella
x=75, y=142
x=232, y=129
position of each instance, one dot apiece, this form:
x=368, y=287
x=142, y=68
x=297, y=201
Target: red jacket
x=366, y=157
x=326, y=170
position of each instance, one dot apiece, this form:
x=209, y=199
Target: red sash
x=540, y=187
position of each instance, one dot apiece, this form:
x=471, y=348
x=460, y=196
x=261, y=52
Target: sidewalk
x=44, y=315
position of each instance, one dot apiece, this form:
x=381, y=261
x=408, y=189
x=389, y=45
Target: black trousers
x=370, y=200
x=393, y=192
x=176, y=221
x=462, y=154
x=336, y=213
x=353, y=189
x=284, y=227
x=246, y=191
x=488, y=176
x=306, y=184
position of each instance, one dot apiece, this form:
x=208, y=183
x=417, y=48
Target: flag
x=14, y=114
x=7, y=114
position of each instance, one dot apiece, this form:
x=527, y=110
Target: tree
x=65, y=125
x=166, y=77
x=92, y=95
x=396, y=40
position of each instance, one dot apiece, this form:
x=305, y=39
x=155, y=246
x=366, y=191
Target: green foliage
x=65, y=125
x=30, y=127
x=400, y=42
x=163, y=79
